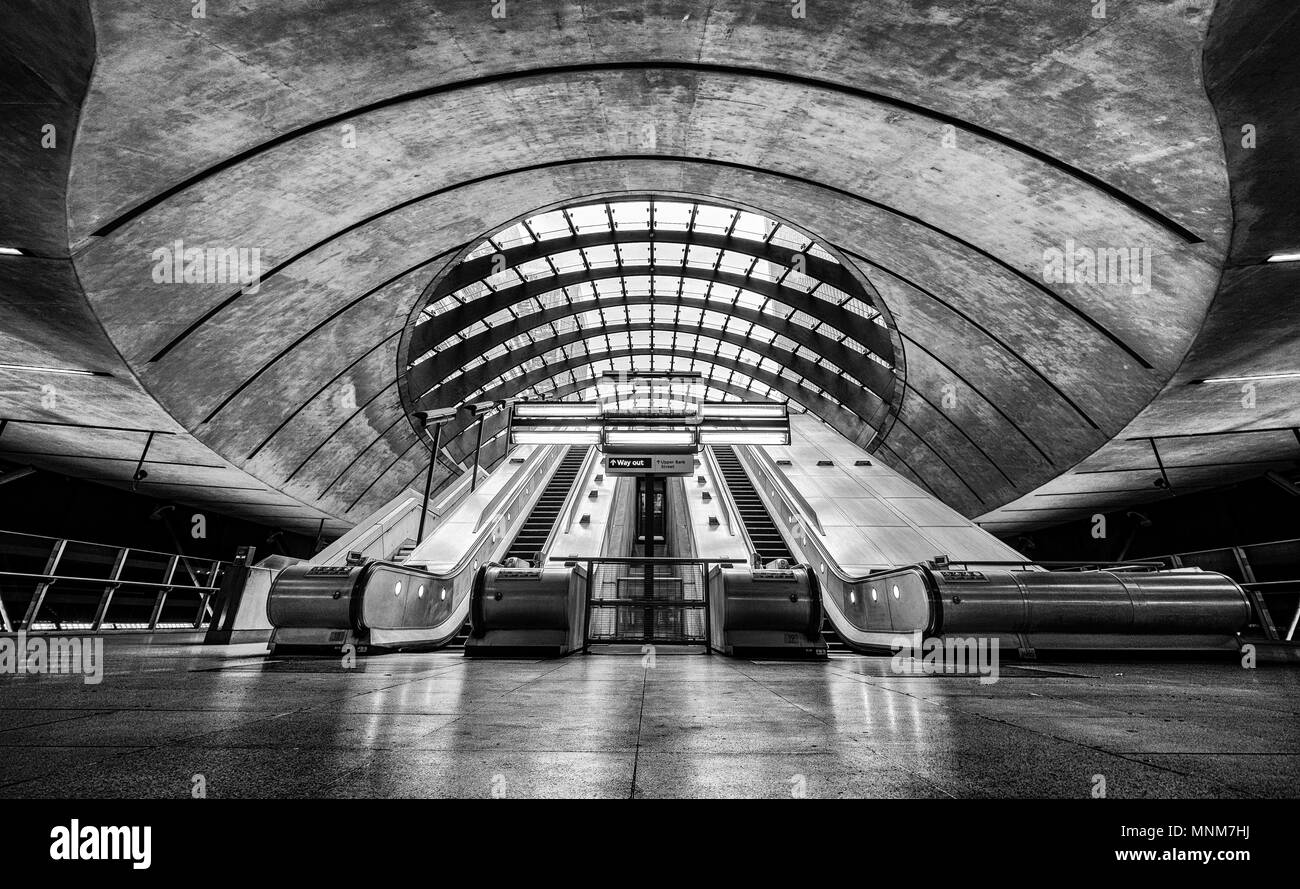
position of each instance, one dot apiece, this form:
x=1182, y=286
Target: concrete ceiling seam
x=668, y=65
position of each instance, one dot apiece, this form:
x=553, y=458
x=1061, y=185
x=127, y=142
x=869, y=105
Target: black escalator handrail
x=817, y=613
x=476, y=593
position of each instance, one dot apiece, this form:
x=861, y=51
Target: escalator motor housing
x=765, y=612
x=532, y=612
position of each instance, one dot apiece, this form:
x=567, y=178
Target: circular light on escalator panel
x=420, y=591
x=896, y=593
x=443, y=595
x=853, y=598
x=873, y=594
x=397, y=588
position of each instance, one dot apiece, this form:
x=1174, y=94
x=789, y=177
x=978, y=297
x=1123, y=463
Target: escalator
x=766, y=538
x=798, y=638
x=419, y=596
x=534, y=533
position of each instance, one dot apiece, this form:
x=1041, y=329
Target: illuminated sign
x=650, y=464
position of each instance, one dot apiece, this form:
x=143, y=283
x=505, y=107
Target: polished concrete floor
x=611, y=725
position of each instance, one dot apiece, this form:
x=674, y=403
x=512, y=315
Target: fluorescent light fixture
x=745, y=411
x=1286, y=375
x=35, y=368
x=558, y=436
x=11, y=251
x=554, y=410
x=648, y=437
x=741, y=437
x=1285, y=257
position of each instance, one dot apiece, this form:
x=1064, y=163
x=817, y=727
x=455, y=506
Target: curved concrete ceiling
x=363, y=147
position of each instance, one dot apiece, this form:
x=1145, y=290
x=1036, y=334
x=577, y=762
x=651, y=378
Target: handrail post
x=161, y=598
x=1248, y=575
x=428, y=480
x=478, y=446
x=205, y=596
x=586, y=635
x=109, y=589
x=38, y=598
x=708, y=605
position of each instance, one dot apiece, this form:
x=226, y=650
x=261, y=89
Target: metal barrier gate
x=663, y=601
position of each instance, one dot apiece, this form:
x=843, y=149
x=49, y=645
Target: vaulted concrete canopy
x=945, y=153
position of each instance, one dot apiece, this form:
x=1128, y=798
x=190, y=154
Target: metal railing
x=1268, y=572
x=659, y=600
x=50, y=583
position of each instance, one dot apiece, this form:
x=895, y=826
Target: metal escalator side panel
x=399, y=597
x=535, y=611
x=535, y=530
x=477, y=625
x=306, y=595
x=717, y=530
x=620, y=531
x=817, y=612
x=1007, y=602
x=680, y=542
x=1159, y=602
x=761, y=530
x=765, y=612
x=868, y=616
x=588, y=463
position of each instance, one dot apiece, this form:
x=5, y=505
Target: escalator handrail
x=830, y=565
x=366, y=534
x=494, y=509
x=724, y=490
x=585, y=470
x=720, y=482
x=516, y=487
x=768, y=465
